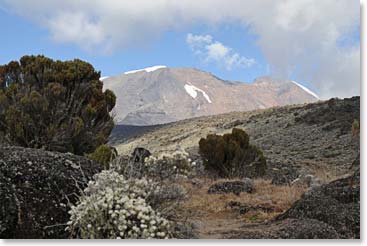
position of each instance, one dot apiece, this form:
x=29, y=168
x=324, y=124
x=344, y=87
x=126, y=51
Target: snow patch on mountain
x=192, y=91
x=148, y=69
x=306, y=89
x=104, y=77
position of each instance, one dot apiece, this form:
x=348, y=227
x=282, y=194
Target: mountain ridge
x=159, y=94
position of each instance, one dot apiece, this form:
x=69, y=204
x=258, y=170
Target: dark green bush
x=104, y=154
x=55, y=105
x=231, y=155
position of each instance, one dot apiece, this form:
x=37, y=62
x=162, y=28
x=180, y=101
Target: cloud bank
x=211, y=51
x=299, y=37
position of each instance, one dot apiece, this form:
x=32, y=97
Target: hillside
x=313, y=137
x=309, y=144
x=159, y=95
x=311, y=189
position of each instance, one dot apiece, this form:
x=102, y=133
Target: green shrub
x=231, y=155
x=104, y=154
x=55, y=105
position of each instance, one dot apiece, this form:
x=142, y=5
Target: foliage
x=104, y=154
x=167, y=166
x=158, y=168
x=231, y=155
x=355, y=127
x=115, y=207
x=54, y=105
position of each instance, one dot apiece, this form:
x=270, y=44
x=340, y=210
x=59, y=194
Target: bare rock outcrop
x=336, y=204
x=36, y=187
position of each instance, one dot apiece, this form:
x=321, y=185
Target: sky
x=314, y=42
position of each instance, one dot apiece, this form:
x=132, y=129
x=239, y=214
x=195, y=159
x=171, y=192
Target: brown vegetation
x=213, y=211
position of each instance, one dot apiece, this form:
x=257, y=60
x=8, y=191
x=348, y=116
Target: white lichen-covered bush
x=168, y=166
x=114, y=207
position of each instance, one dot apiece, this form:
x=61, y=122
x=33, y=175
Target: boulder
x=235, y=187
x=139, y=155
x=134, y=166
x=336, y=204
x=36, y=188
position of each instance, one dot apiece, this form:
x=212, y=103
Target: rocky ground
x=328, y=211
x=311, y=189
x=306, y=146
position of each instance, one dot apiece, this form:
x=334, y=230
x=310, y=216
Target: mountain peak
x=268, y=79
x=145, y=97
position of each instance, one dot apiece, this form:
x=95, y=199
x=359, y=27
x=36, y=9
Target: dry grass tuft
x=327, y=175
x=201, y=205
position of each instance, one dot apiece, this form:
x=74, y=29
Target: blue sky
x=315, y=43
x=24, y=37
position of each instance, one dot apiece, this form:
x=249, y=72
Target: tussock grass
x=201, y=205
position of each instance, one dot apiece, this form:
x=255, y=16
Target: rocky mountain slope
x=309, y=138
x=311, y=189
x=160, y=95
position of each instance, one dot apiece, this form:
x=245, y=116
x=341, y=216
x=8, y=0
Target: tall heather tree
x=55, y=105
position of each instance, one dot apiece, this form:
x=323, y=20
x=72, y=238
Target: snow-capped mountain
x=159, y=94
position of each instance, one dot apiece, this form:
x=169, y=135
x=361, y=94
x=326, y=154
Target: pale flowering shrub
x=168, y=166
x=163, y=167
x=115, y=207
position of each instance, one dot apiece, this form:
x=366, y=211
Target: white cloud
x=217, y=51
x=293, y=35
x=198, y=40
x=210, y=51
x=77, y=28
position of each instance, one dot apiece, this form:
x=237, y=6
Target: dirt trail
x=214, y=228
